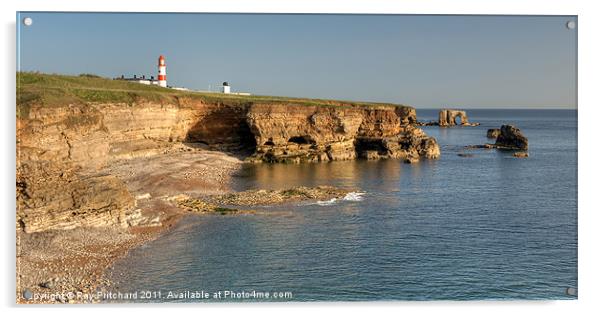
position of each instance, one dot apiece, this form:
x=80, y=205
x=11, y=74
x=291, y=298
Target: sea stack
x=447, y=117
x=511, y=138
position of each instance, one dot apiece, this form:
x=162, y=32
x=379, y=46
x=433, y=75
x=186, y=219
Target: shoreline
x=74, y=265
x=65, y=277
x=53, y=266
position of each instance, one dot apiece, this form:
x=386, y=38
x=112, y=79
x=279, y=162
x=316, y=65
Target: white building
x=142, y=79
x=225, y=87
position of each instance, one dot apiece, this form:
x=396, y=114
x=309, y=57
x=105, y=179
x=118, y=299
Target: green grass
x=59, y=90
x=225, y=210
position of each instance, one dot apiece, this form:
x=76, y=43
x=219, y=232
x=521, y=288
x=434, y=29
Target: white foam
x=354, y=196
x=351, y=196
x=329, y=202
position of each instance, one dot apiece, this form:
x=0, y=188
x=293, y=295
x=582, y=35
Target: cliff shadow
x=224, y=129
x=365, y=145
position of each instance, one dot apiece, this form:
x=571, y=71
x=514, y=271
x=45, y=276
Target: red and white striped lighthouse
x=162, y=72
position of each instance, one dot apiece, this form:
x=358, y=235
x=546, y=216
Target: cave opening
x=223, y=129
x=248, y=144
x=364, y=145
x=300, y=140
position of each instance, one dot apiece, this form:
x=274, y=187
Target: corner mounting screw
x=571, y=25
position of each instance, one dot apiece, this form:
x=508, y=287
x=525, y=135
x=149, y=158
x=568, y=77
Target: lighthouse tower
x=162, y=73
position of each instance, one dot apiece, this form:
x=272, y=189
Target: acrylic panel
x=196, y=157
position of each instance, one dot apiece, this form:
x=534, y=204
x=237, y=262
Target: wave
x=351, y=196
x=354, y=196
x=329, y=202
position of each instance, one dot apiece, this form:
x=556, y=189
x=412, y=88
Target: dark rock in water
x=493, y=132
x=511, y=138
x=521, y=154
x=429, y=123
x=411, y=159
x=486, y=146
x=507, y=137
x=466, y=155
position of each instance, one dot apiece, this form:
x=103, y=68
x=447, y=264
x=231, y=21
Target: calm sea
x=459, y=228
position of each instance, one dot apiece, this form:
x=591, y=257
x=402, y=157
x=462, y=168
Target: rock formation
x=511, y=138
x=448, y=117
x=493, y=132
x=53, y=196
x=61, y=147
x=287, y=133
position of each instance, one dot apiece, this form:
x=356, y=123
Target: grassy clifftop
x=57, y=90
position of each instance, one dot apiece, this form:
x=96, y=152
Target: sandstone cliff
x=298, y=133
x=68, y=128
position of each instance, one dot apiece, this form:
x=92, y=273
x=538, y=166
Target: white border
x=589, y=115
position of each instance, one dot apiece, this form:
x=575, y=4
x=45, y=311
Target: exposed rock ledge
x=51, y=196
x=221, y=203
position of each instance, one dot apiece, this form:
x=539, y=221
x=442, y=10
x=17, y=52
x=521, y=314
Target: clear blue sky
x=424, y=61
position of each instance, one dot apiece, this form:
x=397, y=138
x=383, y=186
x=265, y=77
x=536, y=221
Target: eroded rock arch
x=448, y=117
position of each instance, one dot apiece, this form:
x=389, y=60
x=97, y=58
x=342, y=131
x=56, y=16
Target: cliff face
x=92, y=135
x=53, y=196
x=311, y=133
x=61, y=148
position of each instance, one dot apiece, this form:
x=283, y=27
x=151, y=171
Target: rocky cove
x=63, y=151
x=96, y=158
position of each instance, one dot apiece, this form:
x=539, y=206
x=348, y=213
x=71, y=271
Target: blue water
x=485, y=227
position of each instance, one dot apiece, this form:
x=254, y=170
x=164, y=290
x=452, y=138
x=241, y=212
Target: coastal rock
x=270, y=197
x=94, y=135
x=65, y=149
x=221, y=203
x=50, y=196
x=485, y=146
x=511, y=138
x=370, y=155
x=411, y=159
x=447, y=117
x=295, y=134
x=493, y=132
